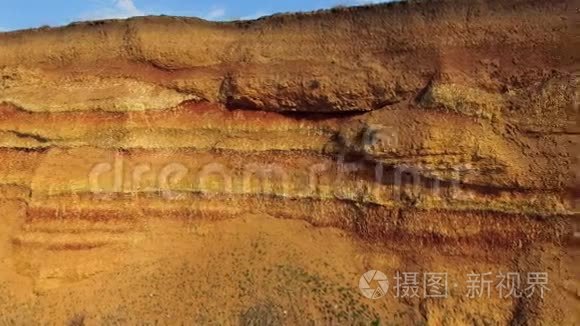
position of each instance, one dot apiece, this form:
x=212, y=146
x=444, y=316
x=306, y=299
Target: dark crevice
x=322, y=115
x=423, y=91
x=39, y=150
x=31, y=136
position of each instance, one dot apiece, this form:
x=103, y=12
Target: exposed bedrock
x=140, y=156
x=480, y=57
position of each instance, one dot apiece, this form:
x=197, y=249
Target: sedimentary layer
x=448, y=128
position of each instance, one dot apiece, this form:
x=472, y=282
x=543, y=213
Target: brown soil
x=176, y=171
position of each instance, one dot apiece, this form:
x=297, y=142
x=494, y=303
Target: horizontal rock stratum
x=174, y=170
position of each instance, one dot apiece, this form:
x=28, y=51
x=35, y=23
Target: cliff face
x=148, y=162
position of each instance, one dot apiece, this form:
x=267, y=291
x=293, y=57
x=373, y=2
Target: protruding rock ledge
x=356, y=59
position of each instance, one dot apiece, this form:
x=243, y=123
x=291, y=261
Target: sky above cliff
x=20, y=14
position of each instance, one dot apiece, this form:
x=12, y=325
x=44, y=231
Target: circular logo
x=373, y=284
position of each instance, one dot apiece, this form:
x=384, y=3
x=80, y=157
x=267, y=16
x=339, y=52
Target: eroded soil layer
x=172, y=170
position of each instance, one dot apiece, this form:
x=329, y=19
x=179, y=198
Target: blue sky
x=20, y=14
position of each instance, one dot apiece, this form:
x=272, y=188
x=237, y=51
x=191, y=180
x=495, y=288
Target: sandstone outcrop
x=173, y=169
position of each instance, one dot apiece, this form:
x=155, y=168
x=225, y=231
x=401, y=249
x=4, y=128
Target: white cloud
x=128, y=7
x=215, y=13
x=115, y=9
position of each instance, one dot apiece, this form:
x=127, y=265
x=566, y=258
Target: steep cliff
x=174, y=169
